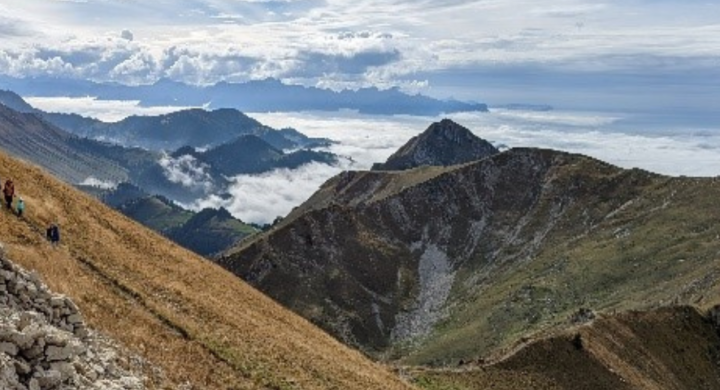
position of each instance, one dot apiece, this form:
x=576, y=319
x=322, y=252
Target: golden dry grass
x=200, y=324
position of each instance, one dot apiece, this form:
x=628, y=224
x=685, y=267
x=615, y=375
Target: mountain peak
x=443, y=143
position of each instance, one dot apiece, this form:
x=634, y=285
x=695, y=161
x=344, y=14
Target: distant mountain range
x=254, y=96
x=191, y=127
x=79, y=153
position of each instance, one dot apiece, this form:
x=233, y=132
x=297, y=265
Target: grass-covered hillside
x=201, y=325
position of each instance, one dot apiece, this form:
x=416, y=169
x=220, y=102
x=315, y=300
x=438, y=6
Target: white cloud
x=618, y=138
x=187, y=171
x=104, y=110
x=625, y=139
x=97, y=183
x=647, y=141
x=350, y=43
x=262, y=198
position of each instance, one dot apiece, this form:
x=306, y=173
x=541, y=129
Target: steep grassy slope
x=435, y=265
x=205, y=328
x=670, y=348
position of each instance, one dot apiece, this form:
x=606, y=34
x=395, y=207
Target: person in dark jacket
x=53, y=234
x=9, y=192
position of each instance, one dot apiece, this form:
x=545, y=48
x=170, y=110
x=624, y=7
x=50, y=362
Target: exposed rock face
x=443, y=143
x=451, y=263
x=44, y=343
x=374, y=256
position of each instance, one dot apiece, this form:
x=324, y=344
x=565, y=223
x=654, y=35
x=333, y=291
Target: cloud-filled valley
x=627, y=139
x=367, y=139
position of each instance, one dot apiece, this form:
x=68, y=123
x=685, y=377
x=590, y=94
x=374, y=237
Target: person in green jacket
x=20, y=207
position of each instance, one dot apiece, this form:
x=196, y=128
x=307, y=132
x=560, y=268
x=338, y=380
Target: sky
x=648, y=55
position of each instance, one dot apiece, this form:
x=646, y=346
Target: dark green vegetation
x=207, y=232
x=437, y=265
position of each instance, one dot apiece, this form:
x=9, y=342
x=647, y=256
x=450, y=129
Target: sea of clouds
x=367, y=139
x=628, y=140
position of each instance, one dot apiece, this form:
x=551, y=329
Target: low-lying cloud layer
x=262, y=198
x=666, y=144
x=611, y=137
x=104, y=110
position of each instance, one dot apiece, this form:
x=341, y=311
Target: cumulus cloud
x=350, y=43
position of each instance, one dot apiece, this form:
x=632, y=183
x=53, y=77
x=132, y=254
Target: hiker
x=53, y=234
x=20, y=207
x=9, y=192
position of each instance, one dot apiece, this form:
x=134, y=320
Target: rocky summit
x=444, y=143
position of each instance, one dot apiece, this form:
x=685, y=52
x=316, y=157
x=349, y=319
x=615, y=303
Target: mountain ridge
x=397, y=263
x=253, y=96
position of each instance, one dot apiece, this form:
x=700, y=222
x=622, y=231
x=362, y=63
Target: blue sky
x=637, y=53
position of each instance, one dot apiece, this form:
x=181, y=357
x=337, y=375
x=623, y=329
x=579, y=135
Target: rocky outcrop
x=444, y=143
x=45, y=344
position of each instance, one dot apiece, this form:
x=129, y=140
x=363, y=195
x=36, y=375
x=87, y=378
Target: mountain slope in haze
x=444, y=143
x=250, y=154
x=210, y=231
x=76, y=160
x=400, y=263
x=207, y=232
x=194, y=127
x=203, y=326
x=65, y=155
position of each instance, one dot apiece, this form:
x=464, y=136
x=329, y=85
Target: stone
x=9, y=348
x=75, y=319
x=54, y=353
x=48, y=379
x=45, y=344
x=22, y=367
x=57, y=301
x=22, y=340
